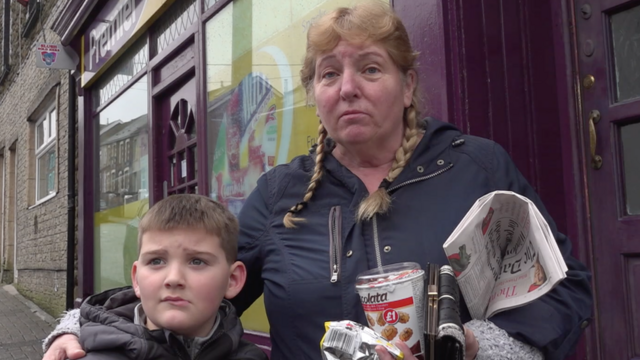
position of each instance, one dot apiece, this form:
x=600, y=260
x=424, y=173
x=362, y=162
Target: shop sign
x=55, y=56
x=115, y=28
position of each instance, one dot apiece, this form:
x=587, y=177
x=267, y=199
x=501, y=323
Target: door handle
x=596, y=160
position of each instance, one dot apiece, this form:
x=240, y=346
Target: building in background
x=204, y=96
x=34, y=166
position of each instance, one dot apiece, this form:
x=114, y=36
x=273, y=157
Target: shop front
x=203, y=96
x=183, y=97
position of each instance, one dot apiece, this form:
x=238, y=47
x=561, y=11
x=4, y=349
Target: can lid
x=388, y=274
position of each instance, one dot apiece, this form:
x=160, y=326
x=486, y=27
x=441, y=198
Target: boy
x=187, y=247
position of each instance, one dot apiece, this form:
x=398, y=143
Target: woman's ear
x=410, y=82
x=134, y=278
x=237, y=278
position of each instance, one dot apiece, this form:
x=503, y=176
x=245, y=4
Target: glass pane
x=134, y=60
x=209, y=3
x=625, y=30
x=123, y=189
x=174, y=22
x=630, y=136
x=39, y=134
x=253, y=59
x=253, y=52
x=46, y=180
x=53, y=121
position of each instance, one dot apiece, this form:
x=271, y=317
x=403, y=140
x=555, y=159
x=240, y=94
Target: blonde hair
x=369, y=22
x=190, y=211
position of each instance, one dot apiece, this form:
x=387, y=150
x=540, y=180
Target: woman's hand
x=383, y=354
x=471, y=344
x=64, y=347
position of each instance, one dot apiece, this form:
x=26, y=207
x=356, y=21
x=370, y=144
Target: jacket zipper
x=375, y=220
x=335, y=242
x=376, y=242
x=421, y=178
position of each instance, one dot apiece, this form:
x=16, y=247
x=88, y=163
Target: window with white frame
x=46, y=155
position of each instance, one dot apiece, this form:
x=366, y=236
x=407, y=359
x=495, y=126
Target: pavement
x=22, y=326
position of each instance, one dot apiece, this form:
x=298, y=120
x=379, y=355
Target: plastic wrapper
x=348, y=340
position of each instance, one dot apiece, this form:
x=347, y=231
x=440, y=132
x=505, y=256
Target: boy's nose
x=174, y=277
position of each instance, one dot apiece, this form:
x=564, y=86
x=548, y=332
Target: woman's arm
x=554, y=322
x=495, y=344
x=69, y=324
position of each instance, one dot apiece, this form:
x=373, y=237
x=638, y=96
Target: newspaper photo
x=503, y=254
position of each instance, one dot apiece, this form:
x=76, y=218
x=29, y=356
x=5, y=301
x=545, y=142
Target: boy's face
x=181, y=277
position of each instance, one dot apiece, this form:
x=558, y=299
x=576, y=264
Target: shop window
x=6, y=41
x=130, y=64
x=122, y=131
x=45, y=155
x=209, y=3
x=253, y=58
x=174, y=22
x=33, y=14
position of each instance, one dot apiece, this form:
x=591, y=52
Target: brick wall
x=40, y=229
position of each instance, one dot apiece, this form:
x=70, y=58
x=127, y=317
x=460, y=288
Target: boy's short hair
x=193, y=212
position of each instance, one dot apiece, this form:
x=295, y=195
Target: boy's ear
x=134, y=278
x=237, y=277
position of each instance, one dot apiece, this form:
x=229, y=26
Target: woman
x=380, y=187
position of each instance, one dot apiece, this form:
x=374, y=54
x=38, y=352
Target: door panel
x=608, y=34
x=175, y=124
x=176, y=137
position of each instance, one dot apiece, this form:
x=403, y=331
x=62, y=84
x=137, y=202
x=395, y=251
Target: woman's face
x=361, y=94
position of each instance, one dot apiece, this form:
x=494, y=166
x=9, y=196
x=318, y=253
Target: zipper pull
x=334, y=274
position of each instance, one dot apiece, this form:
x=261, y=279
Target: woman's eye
x=329, y=75
x=197, y=262
x=371, y=70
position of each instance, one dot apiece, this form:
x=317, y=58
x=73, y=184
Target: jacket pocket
x=335, y=242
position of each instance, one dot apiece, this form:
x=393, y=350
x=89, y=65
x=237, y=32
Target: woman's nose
x=349, y=85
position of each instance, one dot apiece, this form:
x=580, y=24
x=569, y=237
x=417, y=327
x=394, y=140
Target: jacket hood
x=107, y=325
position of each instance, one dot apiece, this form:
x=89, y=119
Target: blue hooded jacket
x=446, y=174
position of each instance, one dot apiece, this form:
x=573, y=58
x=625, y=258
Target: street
x=22, y=326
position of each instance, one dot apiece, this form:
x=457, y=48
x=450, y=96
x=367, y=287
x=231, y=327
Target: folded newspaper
x=503, y=254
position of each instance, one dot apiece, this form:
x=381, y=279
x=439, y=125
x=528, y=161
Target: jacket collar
x=432, y=154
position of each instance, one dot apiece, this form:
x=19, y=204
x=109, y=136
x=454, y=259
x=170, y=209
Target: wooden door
x=608, y=44
x=175, y=123
x=177, y=146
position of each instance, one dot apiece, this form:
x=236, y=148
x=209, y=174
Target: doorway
x=608, y=45
x=176, y=121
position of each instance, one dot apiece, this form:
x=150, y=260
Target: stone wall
x=39, y=229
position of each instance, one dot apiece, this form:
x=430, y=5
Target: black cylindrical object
x=448, y=298
x=71, y=192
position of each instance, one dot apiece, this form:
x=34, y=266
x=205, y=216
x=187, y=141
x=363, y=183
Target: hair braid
x=289, y=219
x=379, y=201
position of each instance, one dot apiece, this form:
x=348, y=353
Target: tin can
x=393, y=300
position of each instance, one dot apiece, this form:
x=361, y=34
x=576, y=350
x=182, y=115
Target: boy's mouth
x=175, y=300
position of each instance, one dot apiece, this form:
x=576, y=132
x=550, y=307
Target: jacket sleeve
x=105, y=355
x=253, y=218
x=554, y=322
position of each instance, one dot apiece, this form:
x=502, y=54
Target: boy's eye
x=197, y=262
x=155, y=261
